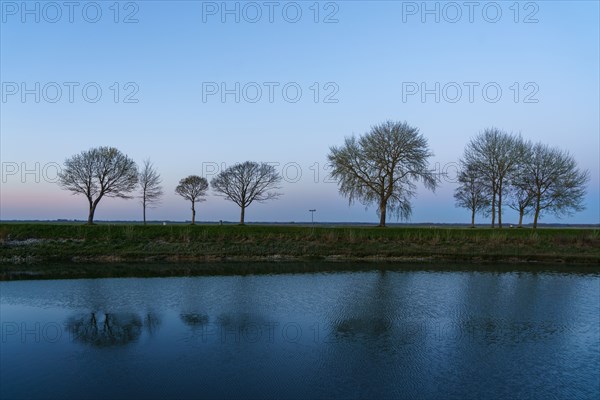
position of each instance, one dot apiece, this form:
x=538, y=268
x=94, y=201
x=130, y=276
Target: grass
x=37, y=243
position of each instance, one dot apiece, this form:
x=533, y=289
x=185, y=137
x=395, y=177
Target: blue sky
x=355, y=68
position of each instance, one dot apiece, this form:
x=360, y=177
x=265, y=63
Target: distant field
x=44, y=243
x=302, y=224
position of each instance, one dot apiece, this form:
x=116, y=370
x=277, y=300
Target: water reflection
x=194, y=320
x=378, y=334
x=372, y=316
x=105, y=329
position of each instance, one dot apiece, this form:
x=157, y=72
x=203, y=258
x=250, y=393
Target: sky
x=197, y=86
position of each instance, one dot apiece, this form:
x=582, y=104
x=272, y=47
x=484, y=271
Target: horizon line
x=374, y=223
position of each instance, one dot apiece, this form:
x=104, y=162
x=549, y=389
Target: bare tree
x=98, y=173
x=520, y=195
x=558, y=186
x=192, y=188
x=494, y=155
x=247, y=182
x=521, y=199
x=472, y=193
x=382, y=167
x=150, y=187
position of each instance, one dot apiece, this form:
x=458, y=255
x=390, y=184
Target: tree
x=494, y=155
x=472, y=192
x=521, y=200
x=558, y=186
x=382, y=166
x=150, y=186
x=247, y=182
x=98, y=173
x=192, y=188
x=520, y=195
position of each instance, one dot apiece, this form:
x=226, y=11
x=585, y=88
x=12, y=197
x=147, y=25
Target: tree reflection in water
x=110, y=329
x=194, y=320
x=152, y=323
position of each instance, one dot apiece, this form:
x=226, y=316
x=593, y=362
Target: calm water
x=350, y=335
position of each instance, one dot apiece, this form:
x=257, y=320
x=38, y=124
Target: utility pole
x=312, y=216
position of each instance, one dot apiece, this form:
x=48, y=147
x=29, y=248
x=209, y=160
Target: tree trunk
x=521, y=212
x=493, y=208
x=537, y=210
x=500, y=207
x=93, y=205
x=242, y=215
x=90, y=220
x=382, y=212
x=473, y=218
x=193, y=214
x=144, y=208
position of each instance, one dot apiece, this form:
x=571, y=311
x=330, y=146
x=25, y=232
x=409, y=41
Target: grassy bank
x=74, y=243
x=148, y=270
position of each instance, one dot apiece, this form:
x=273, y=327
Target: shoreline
x=44, y=246
x=90, y=270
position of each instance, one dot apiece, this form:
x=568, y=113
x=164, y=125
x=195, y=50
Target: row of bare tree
x=532, y=178
x=106, y=172
x=242, y=183
x=381, y=168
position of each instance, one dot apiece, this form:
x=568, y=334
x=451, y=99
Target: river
x=368, y=334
